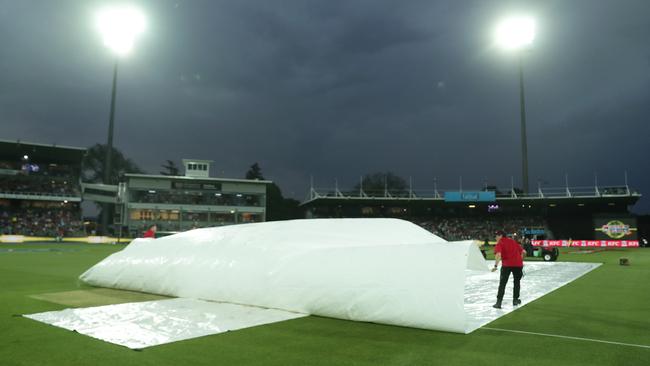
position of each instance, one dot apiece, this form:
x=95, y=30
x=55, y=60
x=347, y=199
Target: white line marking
x=568, y=337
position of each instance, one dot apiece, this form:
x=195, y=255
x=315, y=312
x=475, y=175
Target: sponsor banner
x=534, y=231
x=97, y=240
x=586, y=243
x=478, y=196
x=16, y=239
x=617, y=229
x=12, y=239
x=100, y=240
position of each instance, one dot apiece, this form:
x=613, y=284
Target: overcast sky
x=336, y=89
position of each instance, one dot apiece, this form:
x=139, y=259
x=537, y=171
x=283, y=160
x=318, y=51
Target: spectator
x=471, y=228
x=47, y=221
x=151, y=233
x=39, y=185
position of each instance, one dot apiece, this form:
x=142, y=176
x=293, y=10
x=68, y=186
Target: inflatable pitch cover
x=385, y=271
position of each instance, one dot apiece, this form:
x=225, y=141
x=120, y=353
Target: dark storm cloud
x=337, y=89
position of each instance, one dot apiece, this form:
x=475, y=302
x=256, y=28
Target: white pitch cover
x=151, y=323
x=539, y=279
x=145, y=324
x=377, y=270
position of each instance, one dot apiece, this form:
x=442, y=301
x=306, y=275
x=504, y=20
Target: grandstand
x=179, y=203
x=549, y=213
x=39, y=189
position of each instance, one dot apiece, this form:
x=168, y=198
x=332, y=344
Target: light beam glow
x=120, y=26
x=515, y=32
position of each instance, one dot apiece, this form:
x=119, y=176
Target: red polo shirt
x=510, y=252
x=149, y=234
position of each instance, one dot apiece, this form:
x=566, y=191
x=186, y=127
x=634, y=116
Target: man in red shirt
x=151, y=233
x=512, y=255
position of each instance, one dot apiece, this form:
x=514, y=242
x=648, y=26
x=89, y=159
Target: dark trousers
x=505, y=274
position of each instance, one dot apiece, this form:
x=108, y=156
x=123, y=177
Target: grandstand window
x=367, y=211
x=250, y=217
x=169, y=215
x=222, y=218
x=197, y=217
x=141, y=215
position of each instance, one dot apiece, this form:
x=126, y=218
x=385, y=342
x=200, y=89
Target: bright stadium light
x=515, y=32
x=120, y=26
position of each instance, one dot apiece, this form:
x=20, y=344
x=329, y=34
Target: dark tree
x=92, y=171
x=375, y=184
x=280, y=208
x=92, y=165
x=277, y=207
x=169, y=168
x=255, y=172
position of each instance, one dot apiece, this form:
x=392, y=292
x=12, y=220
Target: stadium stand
x=43, y=222
x=474, y=228
x=40, y=192
x=558, y=213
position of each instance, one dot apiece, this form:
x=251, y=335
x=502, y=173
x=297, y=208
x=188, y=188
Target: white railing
x=541, y=193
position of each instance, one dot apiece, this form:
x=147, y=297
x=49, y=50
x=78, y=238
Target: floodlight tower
x=517, y=34
x=119, y=26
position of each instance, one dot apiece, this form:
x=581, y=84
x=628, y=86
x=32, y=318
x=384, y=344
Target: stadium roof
x=158, y=176
x=44, y=153
x=578, y=200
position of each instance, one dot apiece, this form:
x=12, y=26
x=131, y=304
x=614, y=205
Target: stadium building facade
x=563, y=213
x=40, y=191
x=179, y=203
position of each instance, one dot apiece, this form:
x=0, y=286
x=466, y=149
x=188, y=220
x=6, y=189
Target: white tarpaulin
x=540, y=278
x=377, y=270
x=145, y=324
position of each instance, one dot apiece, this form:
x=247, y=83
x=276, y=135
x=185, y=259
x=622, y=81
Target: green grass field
x=611, y=303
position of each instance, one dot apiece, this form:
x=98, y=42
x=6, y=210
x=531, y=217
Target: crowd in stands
x=468, y=228
x=43, y=170
x=41, y=222
x=38, y=185
x=29, y=178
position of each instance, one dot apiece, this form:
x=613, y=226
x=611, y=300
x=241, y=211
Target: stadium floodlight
x=120, y=26
x=515, y=32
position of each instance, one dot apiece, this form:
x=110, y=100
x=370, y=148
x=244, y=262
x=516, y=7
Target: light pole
x=517, y=34
x=119, y=27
